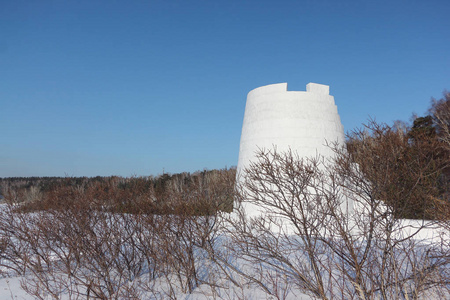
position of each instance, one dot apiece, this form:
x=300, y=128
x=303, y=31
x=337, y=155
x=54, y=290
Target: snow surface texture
x=305, y=122
x=220, y=284
x=168, y=287
x=10, y=287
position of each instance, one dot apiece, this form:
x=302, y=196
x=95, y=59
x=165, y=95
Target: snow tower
x=304, y=121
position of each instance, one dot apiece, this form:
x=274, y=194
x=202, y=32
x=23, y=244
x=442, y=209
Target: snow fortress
x=302, y=121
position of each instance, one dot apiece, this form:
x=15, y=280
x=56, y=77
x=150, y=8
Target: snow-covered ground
x=10, y=289
x=236, y=279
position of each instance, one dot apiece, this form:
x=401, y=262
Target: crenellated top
x=318, y=88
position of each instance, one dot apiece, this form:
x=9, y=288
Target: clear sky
x=144, y=87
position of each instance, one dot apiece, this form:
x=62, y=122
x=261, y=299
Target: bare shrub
x=192, y=229
x=98, y=240
x=405, y=168
x=306, y=233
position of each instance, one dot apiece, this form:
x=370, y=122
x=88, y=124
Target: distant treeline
x=202, y=192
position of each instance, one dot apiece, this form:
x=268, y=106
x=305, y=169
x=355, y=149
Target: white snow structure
x=303, y=121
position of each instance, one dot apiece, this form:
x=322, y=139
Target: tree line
x=162, y=194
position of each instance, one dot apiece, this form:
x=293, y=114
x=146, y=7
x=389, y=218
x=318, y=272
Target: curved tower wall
x=303, y=121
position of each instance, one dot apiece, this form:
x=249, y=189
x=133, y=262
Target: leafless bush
x=306, y=232
x=191, y=232
x=76, y=245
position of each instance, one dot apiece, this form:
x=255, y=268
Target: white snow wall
x=299, y=120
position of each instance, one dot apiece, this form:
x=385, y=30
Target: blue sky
x=144, y=87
